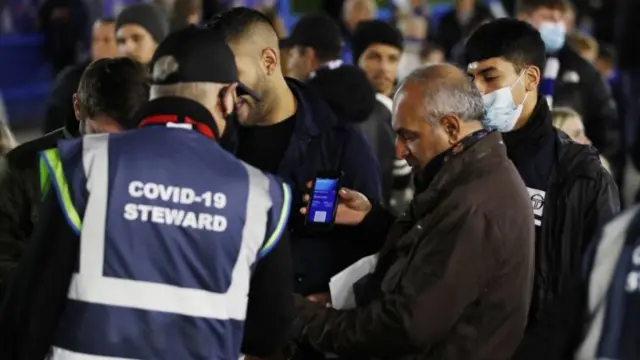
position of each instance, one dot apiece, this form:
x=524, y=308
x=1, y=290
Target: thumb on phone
x=346, y=194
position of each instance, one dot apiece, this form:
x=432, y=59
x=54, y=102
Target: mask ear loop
x=222, y=97
x=526, y=93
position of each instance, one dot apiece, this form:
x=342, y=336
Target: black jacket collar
x=526, y=141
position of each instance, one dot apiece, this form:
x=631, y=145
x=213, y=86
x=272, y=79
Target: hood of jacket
x=347, y=91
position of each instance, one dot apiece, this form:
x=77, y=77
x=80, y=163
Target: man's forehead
x=104, y=25
x=129, y=30
x=383, y=49
x=479, y=66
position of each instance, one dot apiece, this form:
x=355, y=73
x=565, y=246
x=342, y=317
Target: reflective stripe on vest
x=282, y=222
x=50, y=160
x=44, y=177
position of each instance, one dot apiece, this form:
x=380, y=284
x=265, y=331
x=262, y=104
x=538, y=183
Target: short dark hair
x=114, y=87
x=238, y=21
x=529, y=6
x=515, y=41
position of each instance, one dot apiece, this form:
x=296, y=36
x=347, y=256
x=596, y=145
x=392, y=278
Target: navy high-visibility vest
x=170, y=227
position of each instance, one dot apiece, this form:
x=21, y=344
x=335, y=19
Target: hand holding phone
x=350, y=206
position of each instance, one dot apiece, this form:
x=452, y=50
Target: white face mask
x=500, y=111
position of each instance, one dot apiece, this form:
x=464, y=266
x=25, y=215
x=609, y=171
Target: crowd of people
x=163, y=215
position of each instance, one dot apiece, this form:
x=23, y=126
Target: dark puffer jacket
x=19, y=199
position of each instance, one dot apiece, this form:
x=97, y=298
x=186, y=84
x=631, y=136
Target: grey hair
x=200, y=92
x=447, y=90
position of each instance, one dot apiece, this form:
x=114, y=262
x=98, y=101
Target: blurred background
x=38, y=38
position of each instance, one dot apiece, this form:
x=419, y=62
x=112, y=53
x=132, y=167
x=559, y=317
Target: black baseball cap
x=316, y=31
x=195, y=54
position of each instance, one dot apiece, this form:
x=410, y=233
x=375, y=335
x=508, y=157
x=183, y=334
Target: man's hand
x=323, y=299
x=352, y=208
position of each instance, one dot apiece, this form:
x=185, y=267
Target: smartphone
x=321, y=211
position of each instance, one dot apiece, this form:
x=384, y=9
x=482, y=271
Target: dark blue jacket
x=321, y=142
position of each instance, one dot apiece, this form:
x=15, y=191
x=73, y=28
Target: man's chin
x=413, y=164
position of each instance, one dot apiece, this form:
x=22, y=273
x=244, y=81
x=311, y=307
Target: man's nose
x=401, y=149
x=481, y=86
x=387, y=68
x=128, y=46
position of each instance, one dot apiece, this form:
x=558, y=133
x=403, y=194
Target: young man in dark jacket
x=97, y=110
x=291, y=132
x=567, y=79
x=454, y=277
x=571, y=193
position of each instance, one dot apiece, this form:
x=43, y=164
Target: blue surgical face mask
x=500, y=111
x=553, y=34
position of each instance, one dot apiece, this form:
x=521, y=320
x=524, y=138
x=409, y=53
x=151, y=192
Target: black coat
x=321, y=142
x=20, y=199
x=581, y=197
x=581, y=87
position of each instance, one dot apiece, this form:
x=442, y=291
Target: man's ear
x=451, y=125
x=76, y=107
x=533, y=78
x=270, y=60
x=229, y=99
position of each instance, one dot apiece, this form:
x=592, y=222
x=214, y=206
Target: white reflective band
x=604, y=265
x=180, y=126
x=401, y=168
x=63, y=354
x=90, y=285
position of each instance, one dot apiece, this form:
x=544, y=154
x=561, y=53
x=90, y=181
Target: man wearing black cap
x=310, y=49
x=376, y=48
x=171, y=264
x=139, y=30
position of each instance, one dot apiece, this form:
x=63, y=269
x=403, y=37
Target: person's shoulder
x=315, y=113
x=614, y=234
x=570, y=60
x=25, y=155
x=579, y=161
x=386, y=101
x=260, y=178
x=72, y=72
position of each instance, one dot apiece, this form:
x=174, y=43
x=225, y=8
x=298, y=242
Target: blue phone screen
x=323, y=200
